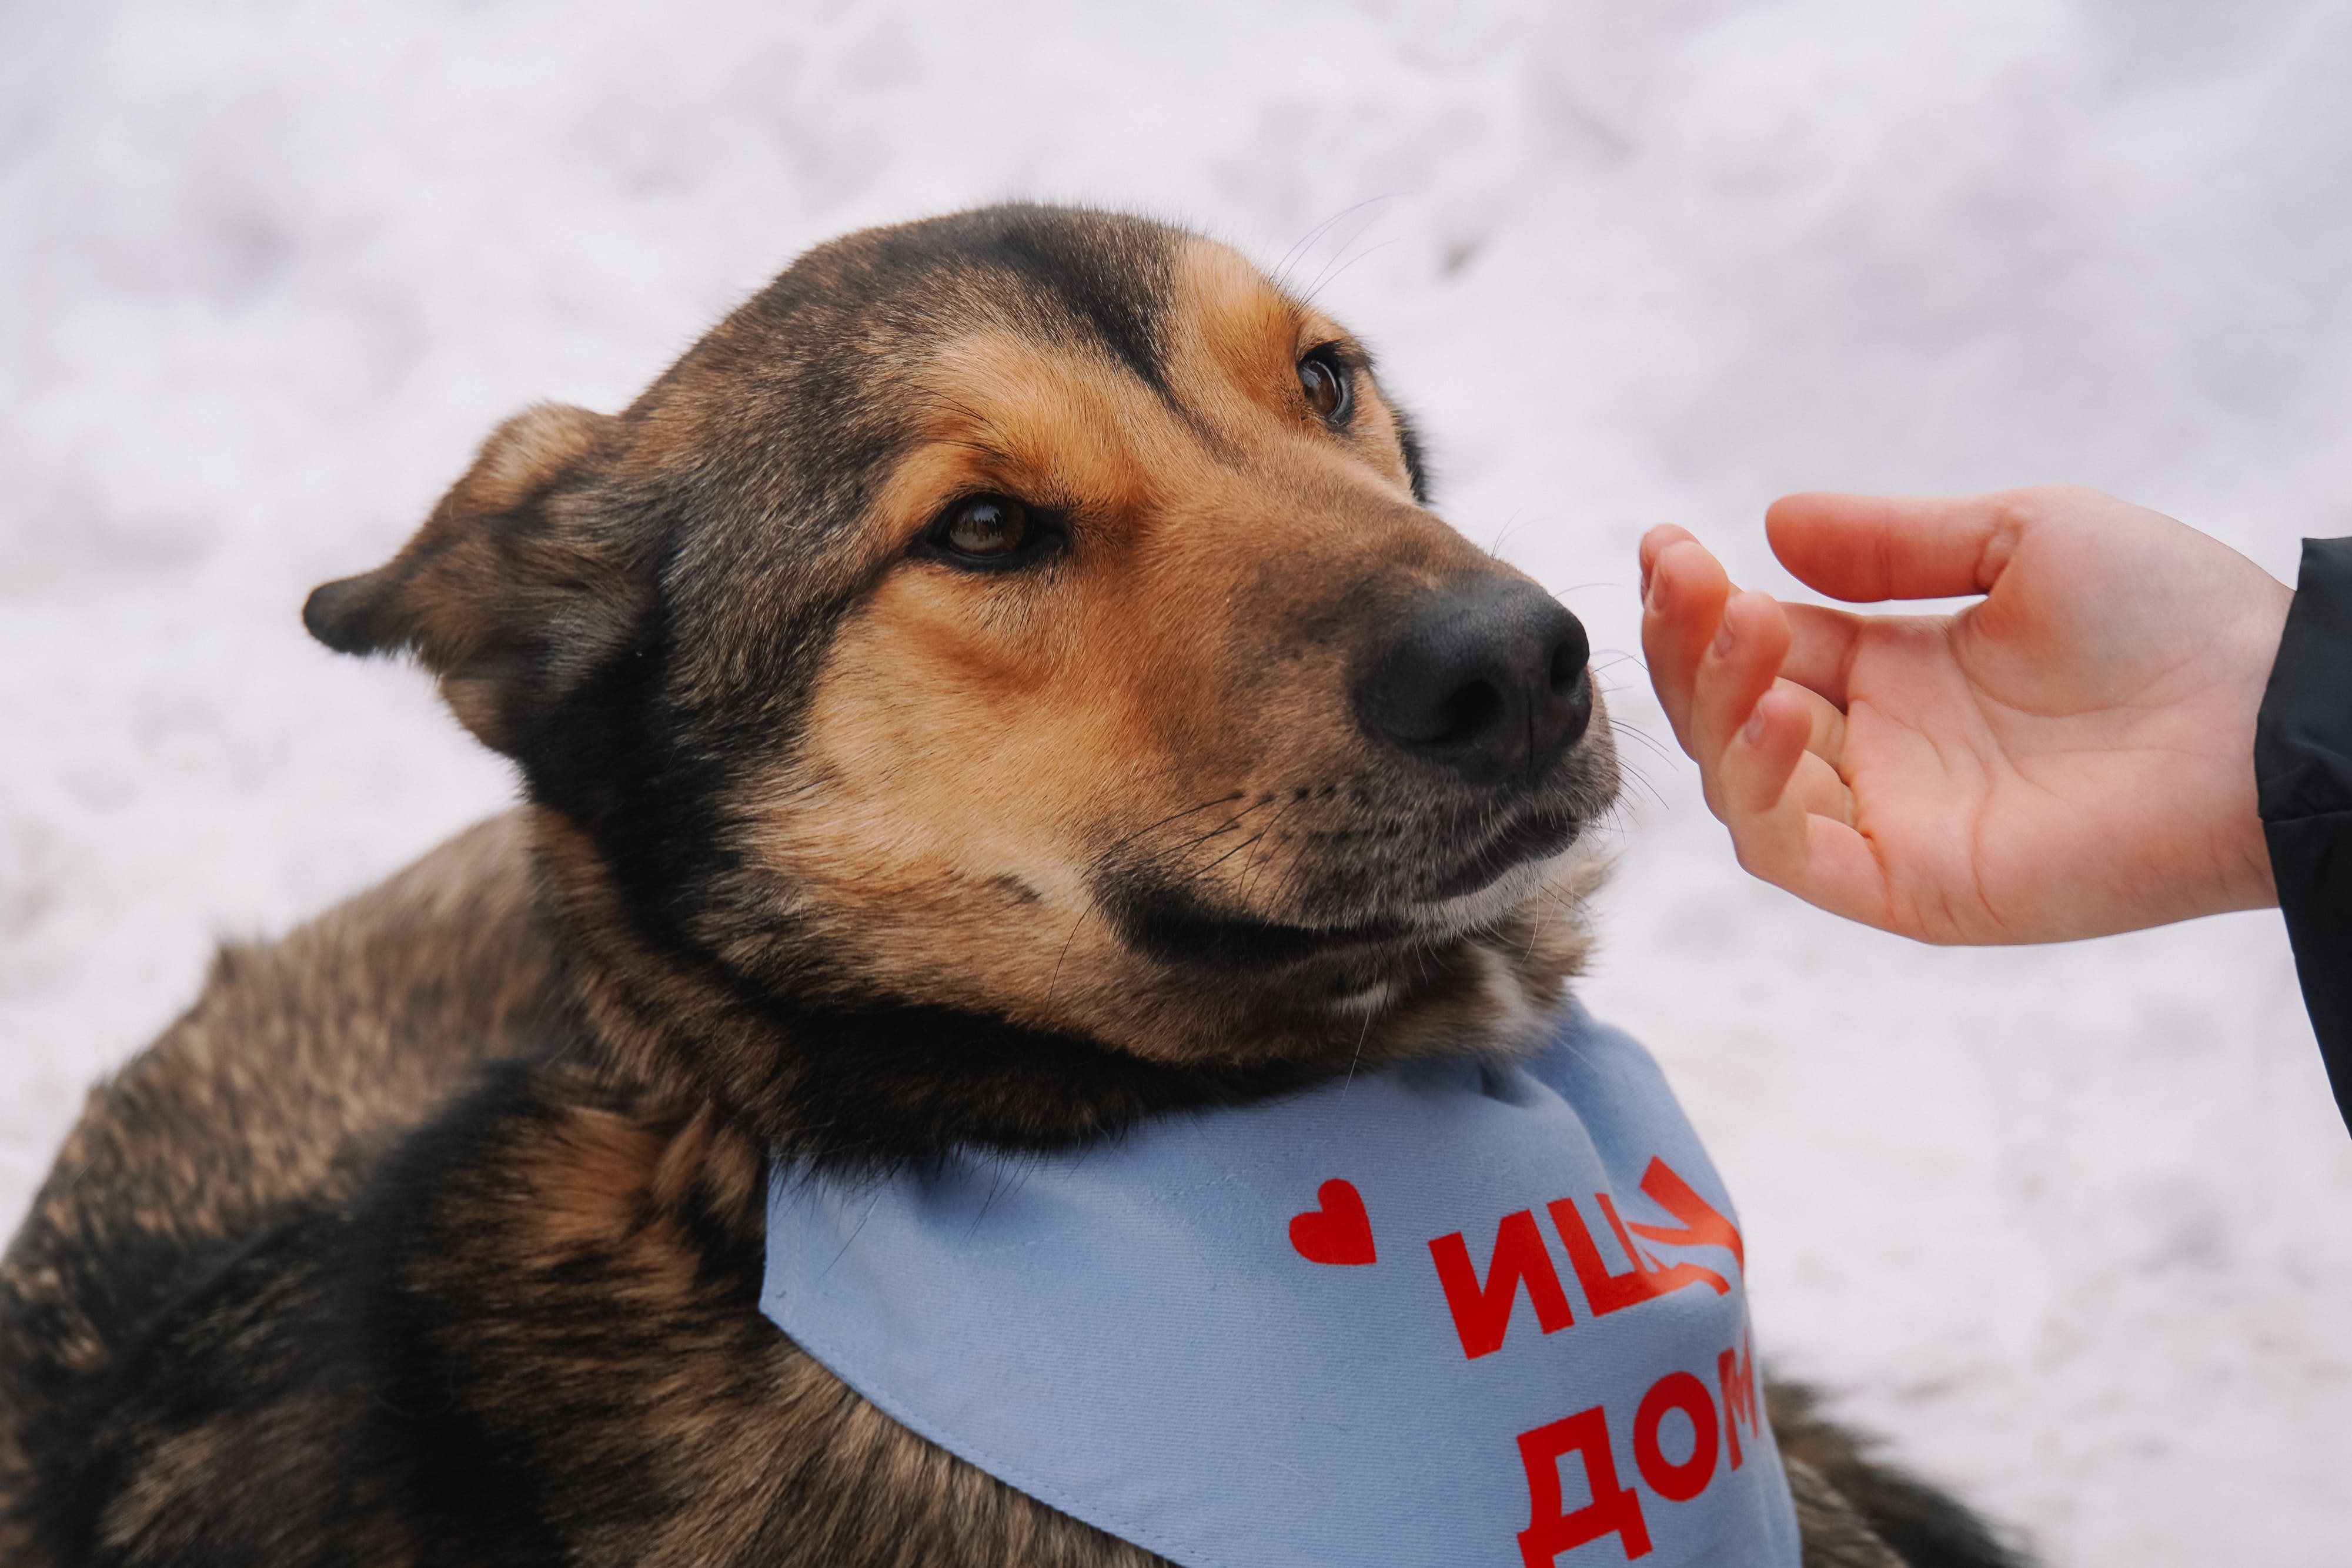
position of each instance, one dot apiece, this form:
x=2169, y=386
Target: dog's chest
x=1448, y=1314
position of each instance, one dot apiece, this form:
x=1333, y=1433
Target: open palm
x=2069, y=755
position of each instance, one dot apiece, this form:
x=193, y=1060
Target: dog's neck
x=883, y=1082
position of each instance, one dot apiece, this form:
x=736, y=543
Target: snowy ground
x=2074, y=1225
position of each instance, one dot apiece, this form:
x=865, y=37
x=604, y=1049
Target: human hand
x=2070, y=756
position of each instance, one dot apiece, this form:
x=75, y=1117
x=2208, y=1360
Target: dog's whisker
x=1248, y=882
x=1510, y=524
x=1356, y=1056
x=1229, y=854
x=1225, y=799
x=1338, y=258
x=1335, y=274
x=1299, y=249
x=1055, y=980
x=1221, y=830
x=1636, y=733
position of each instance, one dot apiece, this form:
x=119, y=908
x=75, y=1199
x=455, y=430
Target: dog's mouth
x=1173, y=921
x=1536, y=836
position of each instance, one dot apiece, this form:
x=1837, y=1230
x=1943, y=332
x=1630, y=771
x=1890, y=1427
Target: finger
x=1738, y=666
x=1759, y=760
x=1653, y=544
x=1819, y=790
x=1783, y=753
x=1826, y=737
x=1790, y=818
x=1753, y=795
x=1862, y=549
x=1680, y=616
x=1822, y=643
x=1789, y=744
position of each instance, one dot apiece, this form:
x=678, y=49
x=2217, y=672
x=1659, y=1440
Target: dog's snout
x=1488, y=681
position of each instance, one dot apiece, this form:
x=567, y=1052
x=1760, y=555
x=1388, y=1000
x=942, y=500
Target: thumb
x=1862, y=549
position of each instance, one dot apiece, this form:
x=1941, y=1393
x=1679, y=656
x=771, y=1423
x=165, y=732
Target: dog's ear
x=526, y=578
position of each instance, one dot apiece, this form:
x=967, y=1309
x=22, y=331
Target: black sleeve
x=2303, y=770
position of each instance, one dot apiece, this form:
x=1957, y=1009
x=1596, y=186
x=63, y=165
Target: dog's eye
x=986, y=526
x=1328, y=386
x=989, y=531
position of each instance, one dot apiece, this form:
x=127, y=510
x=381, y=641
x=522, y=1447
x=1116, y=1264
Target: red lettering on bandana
x=1675, y=1482
x=1735, y=1373
x=1644, y=1280
x=1613, y=1511
x=1702, y=1225
x=1482, y=1313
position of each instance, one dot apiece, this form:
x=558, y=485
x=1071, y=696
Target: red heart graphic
x=1337, y=1232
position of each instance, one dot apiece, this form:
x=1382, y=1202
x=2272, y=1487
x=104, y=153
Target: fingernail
x=1723, y=636
x=1752, y=732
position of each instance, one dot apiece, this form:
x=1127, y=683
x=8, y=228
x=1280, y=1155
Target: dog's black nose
x=1486, y=680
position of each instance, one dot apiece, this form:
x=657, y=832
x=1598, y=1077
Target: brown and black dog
x=1004, y=683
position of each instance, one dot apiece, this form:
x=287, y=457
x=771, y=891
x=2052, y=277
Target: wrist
x=2256, y=639
x=2301, y=750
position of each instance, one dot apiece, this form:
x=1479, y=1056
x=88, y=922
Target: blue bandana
x=1446, y=1313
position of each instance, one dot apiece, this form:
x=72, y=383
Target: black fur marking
x=1172, y=925
x=123, y=1282
x=885, y=1087
x=1118, y=294
x=1416, y=456
x=91, y=1445
x=461, y=1487
x=1927, y=1528
x=614, y=757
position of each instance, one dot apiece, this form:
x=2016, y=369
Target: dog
x=1004, y=686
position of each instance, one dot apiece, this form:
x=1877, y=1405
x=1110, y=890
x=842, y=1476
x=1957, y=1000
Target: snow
x=2070, y=1224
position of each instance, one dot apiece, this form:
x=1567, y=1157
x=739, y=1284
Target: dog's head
x=1009, y=667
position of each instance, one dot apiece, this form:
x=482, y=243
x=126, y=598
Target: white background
x=2074, y=1226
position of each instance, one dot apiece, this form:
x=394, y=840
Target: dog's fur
x=433, y=1234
